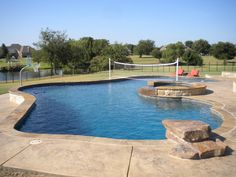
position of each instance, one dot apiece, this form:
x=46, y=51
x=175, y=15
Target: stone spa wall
x=170, y=89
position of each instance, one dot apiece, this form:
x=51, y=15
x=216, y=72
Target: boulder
x=184, y=151
x=188, y=130
x=207, y=149
x=199, y=150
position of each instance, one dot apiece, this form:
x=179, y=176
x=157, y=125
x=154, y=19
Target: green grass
x=21, y=61
x=148, y=59
x=4, y=87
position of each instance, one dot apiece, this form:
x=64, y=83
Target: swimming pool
x=112, y=110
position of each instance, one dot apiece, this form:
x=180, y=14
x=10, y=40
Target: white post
x=177, y=68
x=21, y=74
x=109, y=68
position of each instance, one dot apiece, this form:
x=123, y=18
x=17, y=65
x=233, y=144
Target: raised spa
x=172, y=89
x=110, y=109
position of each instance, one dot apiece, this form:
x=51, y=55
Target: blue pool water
x=113, y=110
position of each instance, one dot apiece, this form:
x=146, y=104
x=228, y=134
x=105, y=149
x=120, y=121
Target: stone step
x=199, y=150
x=188, y=130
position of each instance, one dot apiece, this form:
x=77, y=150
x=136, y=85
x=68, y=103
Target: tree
x=38, y=56
x=189, y=44
x=173, y=51
x=156, y=53
x=223, y=50
x=117, y=52
x=3, y=51
x=55, y=45
x=201, y=46
x=99, y=63
x=99, y=45
x=79, y=56
x=192, y=57
x=130, y=48
x=145, y=47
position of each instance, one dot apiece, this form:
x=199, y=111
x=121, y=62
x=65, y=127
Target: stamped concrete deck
x=61, y=155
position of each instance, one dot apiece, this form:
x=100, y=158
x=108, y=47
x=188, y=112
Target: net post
x=177, y=68
x=109, y=68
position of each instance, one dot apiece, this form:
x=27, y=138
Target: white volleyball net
x=121, y=70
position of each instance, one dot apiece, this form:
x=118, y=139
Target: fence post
x=12, y=76
x=224, y=66
x=6, y=76
x=217, y=66
x=39, y=73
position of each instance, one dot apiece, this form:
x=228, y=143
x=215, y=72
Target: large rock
x=188, y=130
x=184, y=151
x=199, y=150
x=207, y=149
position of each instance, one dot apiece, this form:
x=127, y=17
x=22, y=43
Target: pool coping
x=26, y=103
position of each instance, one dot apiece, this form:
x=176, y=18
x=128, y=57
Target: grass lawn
x=21, y=61
x=4, y=87
x=148, y=59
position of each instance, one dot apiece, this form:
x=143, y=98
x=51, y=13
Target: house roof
x=15, y=46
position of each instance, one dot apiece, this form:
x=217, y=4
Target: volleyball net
x=121, y=70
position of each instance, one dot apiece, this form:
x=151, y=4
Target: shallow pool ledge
x=26, y=102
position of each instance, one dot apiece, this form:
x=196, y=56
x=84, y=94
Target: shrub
x=223, y=50
x=192, y=57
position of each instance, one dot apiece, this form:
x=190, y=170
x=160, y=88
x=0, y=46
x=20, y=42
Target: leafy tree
x=3, y=51
x=189, y=44
x=201, y=46
x=130, y=48
x=173, y=51
x=99, y=63
x=99, y=45
x=145, y=47
x=191, y=57
x=156, y=53
x=55, y=45
x=87, y=44
x=117, y=52
x=38, y=56
x=223, y=50
x=79, y=56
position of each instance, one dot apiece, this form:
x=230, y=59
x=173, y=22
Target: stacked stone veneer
x=181, y=90
x=193, y=139
x=164, y=89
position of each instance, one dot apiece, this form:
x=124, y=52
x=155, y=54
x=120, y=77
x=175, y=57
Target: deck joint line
x=15, y=155
x=131, y=154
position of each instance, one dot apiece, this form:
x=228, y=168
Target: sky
x=122, y=21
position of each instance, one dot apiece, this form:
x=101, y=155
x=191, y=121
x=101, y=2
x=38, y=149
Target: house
x=19, y=51
x=27, y=51
x=162, y=48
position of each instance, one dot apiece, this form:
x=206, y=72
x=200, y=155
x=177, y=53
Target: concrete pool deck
x=68, y=155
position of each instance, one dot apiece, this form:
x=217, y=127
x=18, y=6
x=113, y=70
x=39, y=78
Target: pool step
x=193, y=139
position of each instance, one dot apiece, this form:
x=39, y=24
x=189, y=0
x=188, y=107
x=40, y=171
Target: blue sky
x=123, y=21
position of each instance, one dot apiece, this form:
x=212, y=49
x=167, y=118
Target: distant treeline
x=90, y=55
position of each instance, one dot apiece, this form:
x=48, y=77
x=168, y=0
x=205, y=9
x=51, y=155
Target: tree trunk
x=51, y=68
